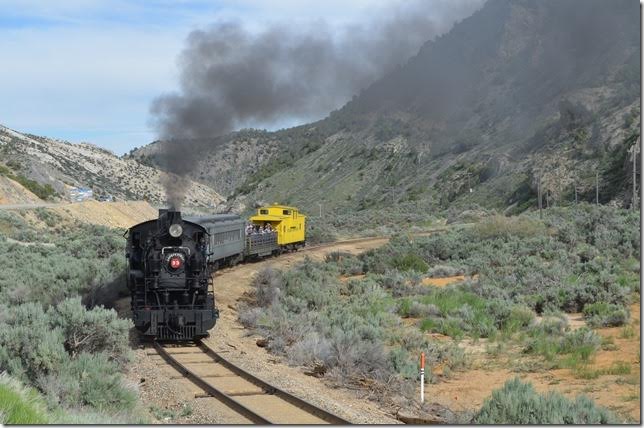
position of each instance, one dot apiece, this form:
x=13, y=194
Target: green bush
x=517, y=403
x=90, y=380
x=571, y=258
x=456, y=312
x=50, y=349
x=408, y=262
x=602, y=314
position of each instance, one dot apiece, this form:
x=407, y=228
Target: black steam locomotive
x=169, y=278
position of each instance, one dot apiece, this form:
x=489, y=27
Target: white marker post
x=422, y=377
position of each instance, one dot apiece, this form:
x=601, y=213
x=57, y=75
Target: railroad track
x=246, y=394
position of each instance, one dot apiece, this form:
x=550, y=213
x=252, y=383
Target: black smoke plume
x=232, y=77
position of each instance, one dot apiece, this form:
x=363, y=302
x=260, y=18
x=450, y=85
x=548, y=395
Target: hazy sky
x=87, y=70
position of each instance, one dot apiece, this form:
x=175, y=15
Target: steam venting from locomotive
x=232, y=77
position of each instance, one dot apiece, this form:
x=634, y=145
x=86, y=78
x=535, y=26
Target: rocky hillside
x=50, y=167
x=520, y=92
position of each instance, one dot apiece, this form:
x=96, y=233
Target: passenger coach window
x=286, y=212
x=263, y=211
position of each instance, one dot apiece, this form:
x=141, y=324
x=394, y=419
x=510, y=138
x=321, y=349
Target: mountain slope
x=61, y=165
x=519, y=90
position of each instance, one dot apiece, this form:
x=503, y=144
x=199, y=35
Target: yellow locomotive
x=287, y=222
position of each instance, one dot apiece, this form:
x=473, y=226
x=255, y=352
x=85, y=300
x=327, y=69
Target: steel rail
x=236, y=405
x=273, y=390
x=224, y=398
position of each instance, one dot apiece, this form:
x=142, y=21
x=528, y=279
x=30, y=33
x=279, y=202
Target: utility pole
x=539, y=196
x=575, y=184
x=635, y=151
x=596, y=187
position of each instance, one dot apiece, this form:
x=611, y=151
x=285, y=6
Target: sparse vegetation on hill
x=47, y=167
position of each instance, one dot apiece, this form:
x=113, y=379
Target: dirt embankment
x=12, y=192
x=111, y=214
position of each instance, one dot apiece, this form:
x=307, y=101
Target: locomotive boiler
x=169, y=278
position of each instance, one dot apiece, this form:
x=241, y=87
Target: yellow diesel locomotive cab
x=287, y=221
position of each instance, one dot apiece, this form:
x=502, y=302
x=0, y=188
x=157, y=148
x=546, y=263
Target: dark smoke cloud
x=232, y=77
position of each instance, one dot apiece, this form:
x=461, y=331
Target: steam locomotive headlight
x=175, y=230
x=175, y=262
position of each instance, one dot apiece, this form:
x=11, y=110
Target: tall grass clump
x=517, y=403
x=20, y=405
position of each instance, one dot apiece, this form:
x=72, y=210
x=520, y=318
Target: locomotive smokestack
x=170, y=221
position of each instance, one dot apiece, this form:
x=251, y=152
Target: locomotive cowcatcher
x=169, y=278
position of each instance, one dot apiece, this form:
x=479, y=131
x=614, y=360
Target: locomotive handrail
x=173, y=248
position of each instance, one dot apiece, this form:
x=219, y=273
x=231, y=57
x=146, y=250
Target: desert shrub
x=581, y=344
x=414, y=309
x=602, y=314
x=424, y=310
x=569, y=259
x=517, y=403
x=409, y=261
x=80, y=260
x=507, y=316
x=578, y=345
x=317, y=233
x=95, y=331
x=443, y=271
x=347, y=263
x=400, y=284
x=404, y=363
x=497, y=226
x=267, y=283
x=345, y=326
x=89, y=380
x=519, y=318
x=458, y=313
x=50, y=349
